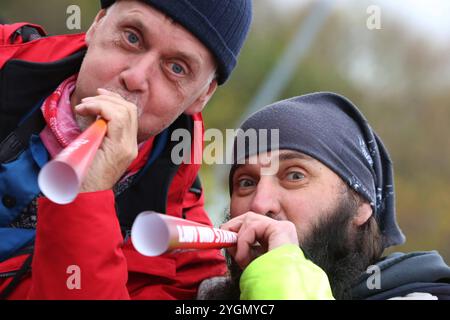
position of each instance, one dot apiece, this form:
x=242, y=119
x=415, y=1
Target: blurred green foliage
x=397, y=76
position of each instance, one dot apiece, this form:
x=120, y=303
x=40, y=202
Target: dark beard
x=229, y=288
x=338, y=249
x=332, y=245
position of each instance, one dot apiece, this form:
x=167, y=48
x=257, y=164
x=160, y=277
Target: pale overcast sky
x=431, y=16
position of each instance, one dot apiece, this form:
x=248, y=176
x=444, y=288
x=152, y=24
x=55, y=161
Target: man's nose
x=266, y=198
x=135, y=78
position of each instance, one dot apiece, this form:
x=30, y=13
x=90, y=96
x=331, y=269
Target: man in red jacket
x=150, y=68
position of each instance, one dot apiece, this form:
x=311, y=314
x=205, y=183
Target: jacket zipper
x=8, y=274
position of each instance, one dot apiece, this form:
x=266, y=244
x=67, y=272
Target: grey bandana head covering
x=329, y=128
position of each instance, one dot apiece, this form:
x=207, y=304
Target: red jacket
x=86, y=233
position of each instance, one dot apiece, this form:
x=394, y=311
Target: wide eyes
x=177, y=68
x=173, y=67
x=132, y=38
x=295, y=176
x=245, y=183
x=289, y=179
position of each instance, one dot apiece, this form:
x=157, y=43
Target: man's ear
x=198, y=105
x=364, y=213
x=94, y=25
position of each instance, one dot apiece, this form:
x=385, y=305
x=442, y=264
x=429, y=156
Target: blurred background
x=391, y=58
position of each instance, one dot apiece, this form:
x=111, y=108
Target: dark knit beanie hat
x=221, y=25
x=329, y=128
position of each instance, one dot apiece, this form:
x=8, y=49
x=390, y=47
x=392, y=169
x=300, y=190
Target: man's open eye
x=177, y=69
x=245, y=183
x=295, y=176
x=132, y=38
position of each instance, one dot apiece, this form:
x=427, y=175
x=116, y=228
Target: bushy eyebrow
x=285, y=156
x=191, y=60
x=294, y=155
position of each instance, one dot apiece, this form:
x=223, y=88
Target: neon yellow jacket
x=284, y=274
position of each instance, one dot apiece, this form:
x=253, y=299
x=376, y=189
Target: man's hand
x=253, y=228
x=119, y=147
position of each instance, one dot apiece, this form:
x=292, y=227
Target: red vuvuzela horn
x=60, y=179
x=153, y=234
